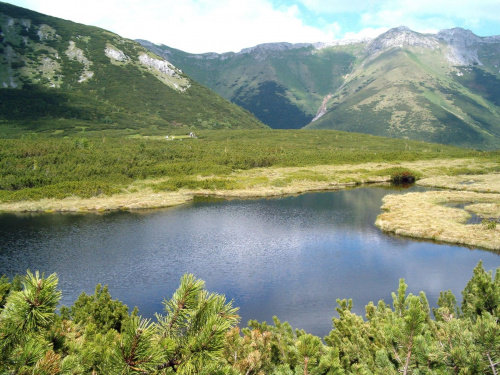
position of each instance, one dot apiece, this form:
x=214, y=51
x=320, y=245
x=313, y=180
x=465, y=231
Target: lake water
x=290, y=257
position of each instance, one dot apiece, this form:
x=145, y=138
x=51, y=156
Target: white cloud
x=422, y=15
x=227, y=25
x=193, y=25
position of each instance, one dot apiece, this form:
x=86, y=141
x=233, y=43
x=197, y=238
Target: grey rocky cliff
x=463, y=45
x=400, y=37
x=115, y=54
x=163, y=66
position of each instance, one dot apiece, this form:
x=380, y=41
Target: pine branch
x=172, y=363
x=408, y=356
x=492, y=365
x=396, y=355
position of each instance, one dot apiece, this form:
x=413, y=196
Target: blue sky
x=230, y=25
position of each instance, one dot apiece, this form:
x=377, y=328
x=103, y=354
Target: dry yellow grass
x=438, y=215
x=134, y=200
x=489, y=183
x=485, y=210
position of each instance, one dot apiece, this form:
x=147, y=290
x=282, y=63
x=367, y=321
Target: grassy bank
x=453, y=216
x=479, y=183
x=256, y=182
x=106, y=173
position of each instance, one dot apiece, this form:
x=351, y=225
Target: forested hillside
x=282, y=84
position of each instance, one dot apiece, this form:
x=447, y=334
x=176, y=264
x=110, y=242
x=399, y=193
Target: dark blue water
x=290, y=257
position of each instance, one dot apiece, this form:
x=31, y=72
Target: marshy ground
x=467, y=213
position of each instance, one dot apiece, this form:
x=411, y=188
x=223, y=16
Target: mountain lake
x=291, y=256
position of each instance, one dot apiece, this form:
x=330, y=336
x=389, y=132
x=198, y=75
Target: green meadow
x=93, y=164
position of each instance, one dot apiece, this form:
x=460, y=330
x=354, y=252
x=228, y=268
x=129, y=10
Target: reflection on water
x=290, y=257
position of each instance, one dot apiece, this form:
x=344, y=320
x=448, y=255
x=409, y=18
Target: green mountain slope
x=415, y=89
x=433, y=87
x=282, y=84
x=56, y=75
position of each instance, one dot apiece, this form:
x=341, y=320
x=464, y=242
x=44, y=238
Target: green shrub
x=98, y=309
x=403, y=177
x=104, y=163
x=489, y=223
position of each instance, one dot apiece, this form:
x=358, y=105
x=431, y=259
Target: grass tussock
x=485, y=210
x=443, y=216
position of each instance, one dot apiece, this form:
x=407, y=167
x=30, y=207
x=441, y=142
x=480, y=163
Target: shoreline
x=445, y=215
x=434, y=215
x=148, y=200
x=253, y=183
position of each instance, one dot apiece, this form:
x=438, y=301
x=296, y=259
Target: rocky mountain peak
x=459, y=36
x=400, y=36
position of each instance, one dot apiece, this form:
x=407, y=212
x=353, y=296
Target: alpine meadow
x=94, y=124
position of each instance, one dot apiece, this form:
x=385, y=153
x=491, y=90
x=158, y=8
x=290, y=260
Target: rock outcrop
x=400, y=37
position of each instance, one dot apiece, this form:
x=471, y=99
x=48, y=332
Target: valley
x=402, y=84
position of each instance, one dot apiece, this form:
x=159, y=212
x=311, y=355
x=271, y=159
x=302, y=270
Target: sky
x=199, y=26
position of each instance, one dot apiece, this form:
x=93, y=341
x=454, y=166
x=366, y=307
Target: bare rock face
x=75, y=53
x=165, y=72
x=462, y=44
x=45, y=32
x=459, y=37
x=115, y=54
x=400, y=37
x=162, y=66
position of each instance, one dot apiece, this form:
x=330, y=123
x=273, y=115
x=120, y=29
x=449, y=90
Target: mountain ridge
x=314, y=85
x=422, y=86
